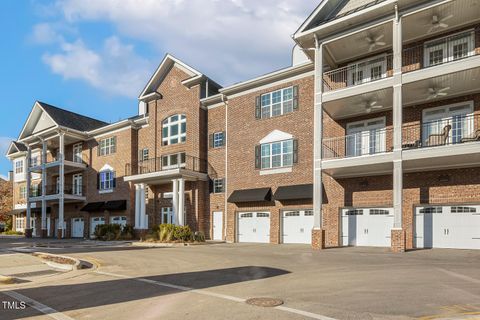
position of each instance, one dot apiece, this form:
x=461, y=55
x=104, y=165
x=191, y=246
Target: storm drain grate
x=264, y=302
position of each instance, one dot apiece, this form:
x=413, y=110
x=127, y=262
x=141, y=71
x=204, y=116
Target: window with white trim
x=19, y=224
x=277, y=154
x=276, y=103
x=174, y=130
x=77, y=153
x=108, y=146
x=107, y=180
x=173, y=161
x=23, y=192
x=218, y=139
x=167, y=214
x=145, y=154
x=218, y=185
x=34, y=160
x=19, y=166
x=77, y=184
x=449, y=49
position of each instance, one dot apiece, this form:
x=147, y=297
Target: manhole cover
x=264, y=302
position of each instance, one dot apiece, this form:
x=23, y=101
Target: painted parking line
x=216, y=295
x=46, y=310
x=459, y=276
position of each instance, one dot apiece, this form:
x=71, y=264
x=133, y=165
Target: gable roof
x=329, y=10
x=70, y=119
x=167, y=63
x=15, y=147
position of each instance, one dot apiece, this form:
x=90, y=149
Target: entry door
x=218, y=225
x=77, y=184
x=77, y=227
x=254, y=227
x=95, y=222
x=366, y=137
x=297, y=226
x=456, y=227
x=367, y=227
x=77, y=153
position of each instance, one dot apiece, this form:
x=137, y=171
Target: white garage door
x=95, y=222
x=297, y=226
x=367, y=227
x=77, y=227
x=121, y=220
x=254, y=227
x=456, y=227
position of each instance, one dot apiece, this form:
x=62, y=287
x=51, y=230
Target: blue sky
x=94, y=57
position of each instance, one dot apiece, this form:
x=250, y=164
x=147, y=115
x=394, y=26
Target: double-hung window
x=144, y=155
x=23, y=192
x=218, y=139
x=77, y=153
x=167, y=215
x=276, y=103
x=35, y=190
x=174, y=129
x=108, y=146
x=77, y=184
x=107, y=180
x=19, y=167
x=218, y=185
x=277, y=154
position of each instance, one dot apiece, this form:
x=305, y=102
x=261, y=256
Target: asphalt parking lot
x=213, y=282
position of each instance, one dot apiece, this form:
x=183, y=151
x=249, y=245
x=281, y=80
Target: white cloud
x=115, y=68
x=45, y=33
x=230, y=40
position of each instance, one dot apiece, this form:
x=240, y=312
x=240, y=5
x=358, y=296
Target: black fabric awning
x=93, y=206
x=115, y=205
x=295, y=192
x=15, y=212
x=251, y=195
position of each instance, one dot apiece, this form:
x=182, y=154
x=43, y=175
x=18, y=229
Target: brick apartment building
x=370, y=138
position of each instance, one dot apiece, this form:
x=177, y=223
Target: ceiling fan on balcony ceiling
x=438, y=23
x=434, y=92
x=374, y=41
x=370, y=105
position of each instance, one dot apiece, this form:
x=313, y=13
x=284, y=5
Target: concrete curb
x=77, y=265
x=166, y=245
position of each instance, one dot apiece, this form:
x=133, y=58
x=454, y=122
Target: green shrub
x=12, y=233
x=171, y=233
x=110, y=232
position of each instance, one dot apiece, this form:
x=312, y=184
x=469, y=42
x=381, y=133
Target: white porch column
x=137, y=207
x=181, y=201
x=44, y=188
x=397, y=123
x=28, y=179
x=175, y=201
x=143, y=222
x=317, y=147
x=61, y=200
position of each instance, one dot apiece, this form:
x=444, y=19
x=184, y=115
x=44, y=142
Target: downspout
x=225, y=102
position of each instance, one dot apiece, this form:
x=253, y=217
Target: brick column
x=398, y=240
x=318, y=239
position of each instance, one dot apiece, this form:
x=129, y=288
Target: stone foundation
x=398, y=241
x=318, y=239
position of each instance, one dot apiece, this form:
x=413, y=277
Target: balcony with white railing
x=357, y=73
x=441, y=50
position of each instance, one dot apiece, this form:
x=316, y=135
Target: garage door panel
x=454, y=227
x=297, y=226
x=254, y=227
x=367, y=227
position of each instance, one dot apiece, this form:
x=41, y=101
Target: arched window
x=174, y=130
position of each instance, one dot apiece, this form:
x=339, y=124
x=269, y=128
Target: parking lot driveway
x=213, y=282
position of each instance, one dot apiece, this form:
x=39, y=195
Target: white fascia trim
x=35, y=105
x=110, y=132
x=106, y=167
x=343, y=19
x=277, y=75
x=150, y=97
x=311, y=17
x=273, y=84
x=166, y=60
x=216, y=105
x=193, y=81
